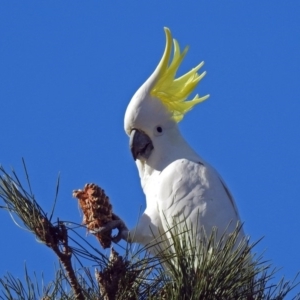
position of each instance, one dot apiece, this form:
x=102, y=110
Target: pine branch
x=24, y=205
x=214, y=269
x=224, y=268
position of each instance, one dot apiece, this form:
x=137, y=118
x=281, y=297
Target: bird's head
x=161, y=102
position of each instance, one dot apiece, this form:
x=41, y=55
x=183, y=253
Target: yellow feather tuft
x=173, y=92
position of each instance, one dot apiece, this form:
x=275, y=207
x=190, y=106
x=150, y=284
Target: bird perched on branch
x=180, y=187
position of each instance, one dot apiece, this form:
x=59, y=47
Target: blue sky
x=68, y=70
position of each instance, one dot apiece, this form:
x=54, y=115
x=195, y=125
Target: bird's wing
x=194, y=191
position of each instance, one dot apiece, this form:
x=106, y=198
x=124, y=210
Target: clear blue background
x=69, y=68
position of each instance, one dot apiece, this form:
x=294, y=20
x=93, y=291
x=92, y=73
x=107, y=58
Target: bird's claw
x=116, y=223
x=107, y=227
x=117, y=238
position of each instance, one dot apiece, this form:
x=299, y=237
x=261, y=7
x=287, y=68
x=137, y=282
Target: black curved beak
x=140, y=145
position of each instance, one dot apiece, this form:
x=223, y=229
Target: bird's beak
x=140, y=145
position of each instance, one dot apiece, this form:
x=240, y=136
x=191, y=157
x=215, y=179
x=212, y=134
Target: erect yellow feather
x=173, y=92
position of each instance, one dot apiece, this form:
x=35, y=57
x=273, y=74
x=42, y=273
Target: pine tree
x=224, y=270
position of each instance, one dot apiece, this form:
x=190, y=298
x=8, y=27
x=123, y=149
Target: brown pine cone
x=97, y=211
x=118, y=278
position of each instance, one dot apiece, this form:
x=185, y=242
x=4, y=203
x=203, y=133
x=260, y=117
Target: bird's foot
x=115, y=223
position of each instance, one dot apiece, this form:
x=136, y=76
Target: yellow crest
x=173, y=92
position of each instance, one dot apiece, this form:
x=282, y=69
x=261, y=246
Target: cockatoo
x=178, y=184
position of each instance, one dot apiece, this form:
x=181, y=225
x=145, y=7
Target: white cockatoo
x=178, y=184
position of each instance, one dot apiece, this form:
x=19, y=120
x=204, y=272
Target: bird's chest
x=150, y=184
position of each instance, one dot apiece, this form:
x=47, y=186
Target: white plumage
x=178, y=184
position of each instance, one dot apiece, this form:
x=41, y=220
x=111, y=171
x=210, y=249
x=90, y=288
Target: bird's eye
x=158, y=130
